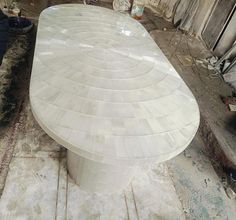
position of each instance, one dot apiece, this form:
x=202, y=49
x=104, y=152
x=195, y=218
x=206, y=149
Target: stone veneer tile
x=31, y=189
x=82, y=205
x=155, y=195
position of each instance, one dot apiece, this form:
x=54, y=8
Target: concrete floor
x=187, y=187
x=199, y=188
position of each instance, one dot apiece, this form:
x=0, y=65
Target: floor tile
x=155, y=196
x=31, y=189
x=88, y=206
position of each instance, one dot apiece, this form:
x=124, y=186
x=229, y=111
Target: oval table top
x=102, y=88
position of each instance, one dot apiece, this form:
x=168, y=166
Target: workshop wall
x=194, y=12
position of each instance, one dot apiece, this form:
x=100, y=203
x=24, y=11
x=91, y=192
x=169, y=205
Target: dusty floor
x=187, y=187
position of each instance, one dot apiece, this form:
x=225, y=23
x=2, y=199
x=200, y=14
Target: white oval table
x=102, y=88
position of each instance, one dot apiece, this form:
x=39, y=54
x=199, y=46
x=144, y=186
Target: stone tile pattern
x=101, y=87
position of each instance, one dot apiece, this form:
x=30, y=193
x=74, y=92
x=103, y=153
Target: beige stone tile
x=88, y=206
x=155, y=195
x=31, y=189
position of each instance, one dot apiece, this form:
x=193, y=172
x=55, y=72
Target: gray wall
x=196, y=23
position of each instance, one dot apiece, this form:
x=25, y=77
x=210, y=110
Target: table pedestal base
x=98, y=177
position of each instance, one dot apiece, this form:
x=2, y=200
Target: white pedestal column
x=98, y=177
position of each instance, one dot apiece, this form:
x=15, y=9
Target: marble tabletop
x=101, y=87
